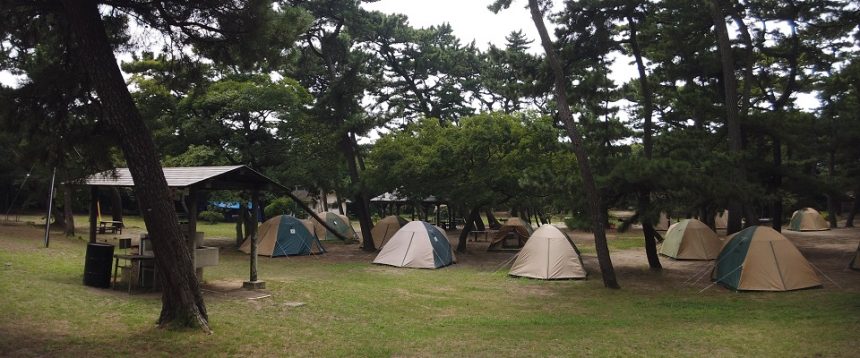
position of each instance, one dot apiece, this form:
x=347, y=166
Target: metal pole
x=50, y=206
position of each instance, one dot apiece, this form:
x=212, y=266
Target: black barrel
x=97, y=265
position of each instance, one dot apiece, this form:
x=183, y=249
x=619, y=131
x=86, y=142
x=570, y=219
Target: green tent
x=284, y=235
x=336, y=221
x=759, y=258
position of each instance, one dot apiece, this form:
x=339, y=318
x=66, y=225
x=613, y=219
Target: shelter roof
x=235, y=177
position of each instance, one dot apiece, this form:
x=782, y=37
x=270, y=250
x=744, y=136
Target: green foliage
x=210, y=217
x=280, y=206
x=578, y=222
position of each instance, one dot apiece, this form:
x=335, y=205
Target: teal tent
x=285, y=235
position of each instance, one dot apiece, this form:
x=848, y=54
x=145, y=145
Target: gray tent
x=418, y=245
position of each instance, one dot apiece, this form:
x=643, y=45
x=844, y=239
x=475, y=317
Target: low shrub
x=210, y=217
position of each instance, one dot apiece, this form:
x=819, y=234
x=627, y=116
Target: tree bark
x=594, y=199
x=241, y=219
x=115, y=205
x=849, y=222
x=492, y=221
x=67, y=211
x=181, y=301
x=730, y=87
x=648, y=147
x=361, y=201
x=474, y=216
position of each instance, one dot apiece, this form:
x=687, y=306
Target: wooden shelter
x=190, y=181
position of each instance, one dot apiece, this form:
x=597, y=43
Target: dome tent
x=417, y=245
x=511, y=236
x=385, y=229
x=284, y=235
x=759, y=258
x=549, y=255
x=691, y=239
x=335, y=221
x=807, y=219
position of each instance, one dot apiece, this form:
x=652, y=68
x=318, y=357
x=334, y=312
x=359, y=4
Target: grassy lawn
x=353, y=308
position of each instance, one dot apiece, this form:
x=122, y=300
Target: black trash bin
x=97, y=265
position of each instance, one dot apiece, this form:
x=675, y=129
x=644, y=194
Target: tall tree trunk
x=115, y=205
x=474, y=216
x=849, y=222
x=181, y=301
x=241, y=218
x=648, y=148
x=67, y=210
x=598, y=216
x=362, y=203
x=832, y=211
x=730, y=87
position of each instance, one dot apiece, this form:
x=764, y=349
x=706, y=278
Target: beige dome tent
x=417, y=245
x=759, y=258
x=385, y=229
x=807, y=219
x=512, y=235
x=549, y=255
x=691, y=239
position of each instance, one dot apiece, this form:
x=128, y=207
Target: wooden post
x=438, y=212
x=253, y=283
x=94, y=202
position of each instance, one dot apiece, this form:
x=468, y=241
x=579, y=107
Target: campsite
x=446, y=178
x=352, y=307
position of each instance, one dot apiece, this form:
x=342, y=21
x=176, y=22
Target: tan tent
x=284, y=235
x=385, y=229
x=549, y=255
x=336, y=221
x=759, y=258
x=807, y=219
x=511, y=236
x=691, y=239
x=417, y=245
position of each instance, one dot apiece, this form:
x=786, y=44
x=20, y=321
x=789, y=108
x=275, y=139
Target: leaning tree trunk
x=181, y=301
x=492, y=221
x=598, y=216
x=730, y=87
x=67, y=211
x=648, y=148
x=474, y=216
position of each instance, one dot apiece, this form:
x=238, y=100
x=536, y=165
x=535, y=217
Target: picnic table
x=486, y=233
x=114, y=227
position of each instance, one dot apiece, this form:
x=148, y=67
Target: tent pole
x=50, y=206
